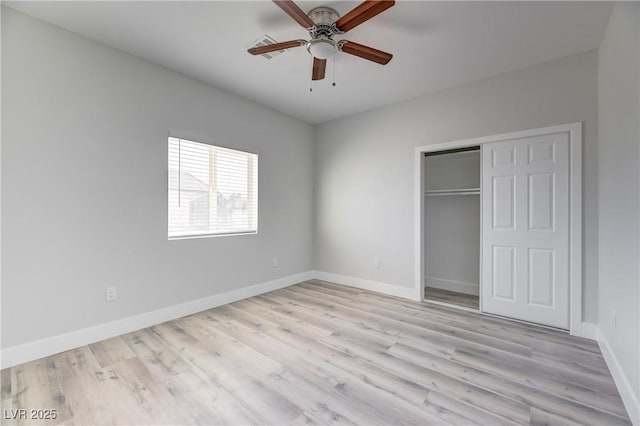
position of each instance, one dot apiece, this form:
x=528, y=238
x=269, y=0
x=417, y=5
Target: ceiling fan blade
x=319, y=67
x=292, y=9
x=362, y=13
x=276, y=46
x=366, y=52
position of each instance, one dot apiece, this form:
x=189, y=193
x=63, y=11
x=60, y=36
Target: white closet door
x=525, y=229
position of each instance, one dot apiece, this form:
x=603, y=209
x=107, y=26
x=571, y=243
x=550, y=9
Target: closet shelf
x=462, y=191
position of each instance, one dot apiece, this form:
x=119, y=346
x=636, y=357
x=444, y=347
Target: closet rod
x=452, y=151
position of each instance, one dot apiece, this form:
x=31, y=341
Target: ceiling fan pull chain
x=334, y=72
x=311, y=79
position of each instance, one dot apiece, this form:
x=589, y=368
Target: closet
x=452, y=226
x=500, y=225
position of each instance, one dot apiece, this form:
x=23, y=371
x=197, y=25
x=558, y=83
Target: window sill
x=229, y=234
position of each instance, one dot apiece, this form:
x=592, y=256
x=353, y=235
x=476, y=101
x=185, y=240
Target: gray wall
x=619, y=180
x=84, y=185
x=365, y=164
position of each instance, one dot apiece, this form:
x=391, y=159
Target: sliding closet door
x=525, y=229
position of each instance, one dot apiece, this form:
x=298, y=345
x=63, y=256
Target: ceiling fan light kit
x=323, y=23
x=322, y=48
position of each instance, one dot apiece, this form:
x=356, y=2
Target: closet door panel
x=503, y=199
x=504, y=277
x=541, y=280
x=541, y=201
x=525, y=237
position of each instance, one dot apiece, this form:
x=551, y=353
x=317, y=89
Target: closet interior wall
x=452, y=221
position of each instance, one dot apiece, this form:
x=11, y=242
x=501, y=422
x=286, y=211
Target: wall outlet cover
x=112, y=293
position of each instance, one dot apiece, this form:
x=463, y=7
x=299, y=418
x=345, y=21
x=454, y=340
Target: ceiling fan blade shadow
x=365, y=52
x=292, y=9
x=319, y=68
x=362, y=13
x=276, y=46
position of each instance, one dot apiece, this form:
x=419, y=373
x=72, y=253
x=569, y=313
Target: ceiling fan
x=323, y=23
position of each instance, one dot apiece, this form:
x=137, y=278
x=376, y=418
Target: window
x=212, y=190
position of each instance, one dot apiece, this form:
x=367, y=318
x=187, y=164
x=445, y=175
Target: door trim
x=575, y=210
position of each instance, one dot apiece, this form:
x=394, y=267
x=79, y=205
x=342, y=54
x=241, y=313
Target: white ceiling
x=435, y=45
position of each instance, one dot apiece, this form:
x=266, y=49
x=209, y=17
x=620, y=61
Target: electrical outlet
x=112, y=294
x=614, y=318
x=274, y=262
x=376, y=263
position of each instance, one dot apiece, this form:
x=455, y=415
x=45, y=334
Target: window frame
x=229, y=233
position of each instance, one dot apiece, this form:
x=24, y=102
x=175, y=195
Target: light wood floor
x=318, y=353
x=452, y=297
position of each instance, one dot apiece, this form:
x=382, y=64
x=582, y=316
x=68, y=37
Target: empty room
x=306, y=212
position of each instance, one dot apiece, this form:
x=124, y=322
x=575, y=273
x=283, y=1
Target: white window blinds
x=212, y=190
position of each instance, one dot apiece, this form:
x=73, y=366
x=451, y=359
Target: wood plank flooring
x=452, y=297
x=319, y=353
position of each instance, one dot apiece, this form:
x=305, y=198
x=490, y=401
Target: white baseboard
x=457, y=286
x=35, y=350
x=629, y=398
x=378, y=287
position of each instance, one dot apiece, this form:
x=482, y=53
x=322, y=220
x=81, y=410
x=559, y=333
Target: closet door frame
x=575, y=211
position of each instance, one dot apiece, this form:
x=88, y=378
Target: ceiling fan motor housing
x=323, y=15
x=322, y=45
x=324, y=19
